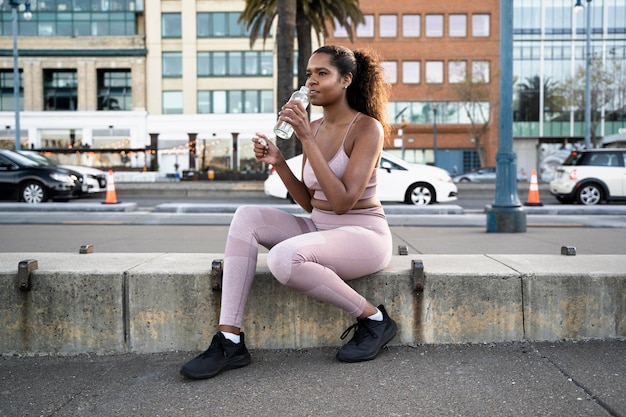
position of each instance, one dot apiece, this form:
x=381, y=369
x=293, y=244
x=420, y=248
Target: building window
x=251, y=63
x=480, y=71
x=220, y=25
x=60, y=89
x=457, y=25
x=457, y=72
x=172, y=64
x=391, y=71
x=480, y=25
x=7, y=98
x=172, y=102
x=171, y=25
x=74, y=21
x=388, y=25
x=235, y=101
x=434, y=72
x=114, y=89
x=411, y=72
x=434, y=25
x=366, y=29
x=411, y=26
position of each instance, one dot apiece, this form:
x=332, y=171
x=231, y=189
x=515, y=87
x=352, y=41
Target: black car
x=23, y=179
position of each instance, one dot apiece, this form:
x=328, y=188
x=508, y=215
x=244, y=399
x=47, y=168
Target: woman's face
x=325, y=83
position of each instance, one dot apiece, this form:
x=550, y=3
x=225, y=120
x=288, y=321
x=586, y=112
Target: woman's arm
x=266, y=151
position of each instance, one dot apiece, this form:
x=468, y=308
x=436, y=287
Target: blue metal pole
x=588, y=79
x=506, y=214
x=16, y=79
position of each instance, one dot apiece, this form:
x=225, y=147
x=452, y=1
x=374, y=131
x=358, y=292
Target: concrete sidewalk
x=586, y=379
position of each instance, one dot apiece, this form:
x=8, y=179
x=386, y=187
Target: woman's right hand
x=265, y=150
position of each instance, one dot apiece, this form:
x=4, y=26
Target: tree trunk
x=285, y=45
x=305, y=49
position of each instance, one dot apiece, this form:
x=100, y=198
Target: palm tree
x=298, y=17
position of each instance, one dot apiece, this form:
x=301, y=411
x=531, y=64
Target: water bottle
x=283, y=129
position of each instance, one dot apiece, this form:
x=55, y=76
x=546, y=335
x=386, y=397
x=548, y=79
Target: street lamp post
x=16, y=69
x=506, y=213
x=578, y=7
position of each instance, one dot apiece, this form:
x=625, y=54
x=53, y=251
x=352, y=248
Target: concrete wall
x=115, y=303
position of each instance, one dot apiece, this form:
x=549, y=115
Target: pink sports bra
x=338, y=165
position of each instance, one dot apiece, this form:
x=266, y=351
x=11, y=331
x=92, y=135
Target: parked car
x=398, y=181
x=485, y=174
x=94, y=180
x=23, y=179
x=591, y=176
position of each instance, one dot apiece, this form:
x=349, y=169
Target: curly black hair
x=369, y=91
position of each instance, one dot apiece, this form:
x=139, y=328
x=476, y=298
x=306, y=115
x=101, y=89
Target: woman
x=346, y=236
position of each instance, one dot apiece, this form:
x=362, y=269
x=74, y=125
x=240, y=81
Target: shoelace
x=360, y=327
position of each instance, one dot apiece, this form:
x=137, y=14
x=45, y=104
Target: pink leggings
x=314, y=256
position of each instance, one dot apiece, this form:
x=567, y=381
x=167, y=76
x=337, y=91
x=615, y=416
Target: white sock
x=376, y=317
x=235, y=338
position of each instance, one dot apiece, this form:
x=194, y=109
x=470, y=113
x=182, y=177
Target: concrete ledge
x=114, y=303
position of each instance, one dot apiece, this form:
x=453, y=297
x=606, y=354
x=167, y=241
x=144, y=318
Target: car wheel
x=420, y=195
x=464, y=179
x=589, y=194
x=33, y=192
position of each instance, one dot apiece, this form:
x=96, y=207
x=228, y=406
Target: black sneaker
x=369, y=338
x=222, y=355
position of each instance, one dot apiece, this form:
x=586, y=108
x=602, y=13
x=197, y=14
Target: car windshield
x=573, y=158
x=20, y=160
x=40, y=159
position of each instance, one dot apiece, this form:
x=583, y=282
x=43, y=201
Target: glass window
x=235, y=64
x=60, y=89
x=434, y=25
x=340, y=31
x=267, y=63
x=251, y=63
x=480, y=25
x=434, y=72
x=219, y=25
x=219, y=63
x=457, y=26
x=171, y=25
x=235, y=102
x=7, y=99
x=388, y=25
x=204, y=102
x=172, y=102
x=457, y=71
x=391, y=71
x=410, y=72
x=172, y=64
x=411, y=25
x=366, y=29
x=480, y=71
x=204, y=64
x=114, y=89
x=72, y=21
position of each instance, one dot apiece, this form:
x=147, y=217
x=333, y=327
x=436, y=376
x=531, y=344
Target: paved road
x=586, y=379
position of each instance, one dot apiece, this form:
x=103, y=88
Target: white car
x=398, y=181
x=591, y=176
x=95, y=180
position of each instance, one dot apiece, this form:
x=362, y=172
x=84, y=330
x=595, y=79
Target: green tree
x=296, y=18
x=606, y=88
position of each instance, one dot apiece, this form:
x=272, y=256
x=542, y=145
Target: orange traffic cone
x=533, y=191
x=111, y=196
